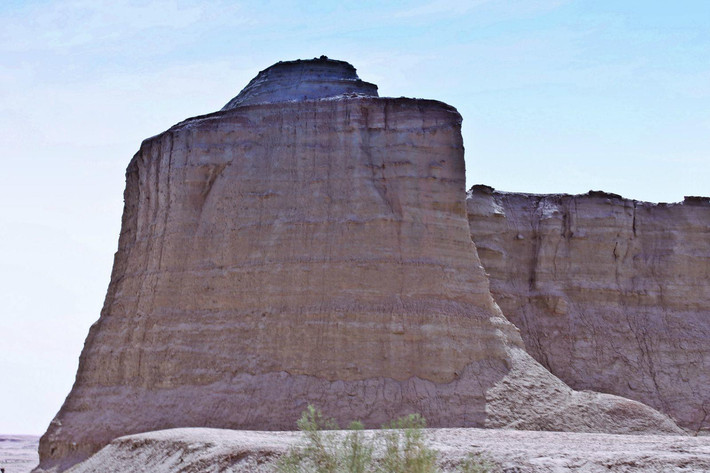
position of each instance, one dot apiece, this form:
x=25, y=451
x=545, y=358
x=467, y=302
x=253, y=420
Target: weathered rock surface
x=216, y=451
x=303, y=80
x=307, y=251
x=610, y=294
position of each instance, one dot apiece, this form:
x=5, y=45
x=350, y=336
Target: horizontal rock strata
x=303, y=80
x=217, y=451
x=610, y=294
x=318, y=251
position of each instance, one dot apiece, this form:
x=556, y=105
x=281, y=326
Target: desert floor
x=18, y=453
x=199, y=450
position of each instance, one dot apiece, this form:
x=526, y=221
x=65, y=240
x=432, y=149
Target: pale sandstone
x=610, y=294
x=504, y=451
x=318, y=251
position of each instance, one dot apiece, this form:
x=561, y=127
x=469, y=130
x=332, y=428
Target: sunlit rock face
x=610, y=294
x=302, y=251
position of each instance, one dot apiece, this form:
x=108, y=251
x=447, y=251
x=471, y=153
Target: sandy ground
x=215, y=450
x=18, y=453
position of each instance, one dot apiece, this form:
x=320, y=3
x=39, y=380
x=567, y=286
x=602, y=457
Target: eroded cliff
x=610, y=294
x=303, y=251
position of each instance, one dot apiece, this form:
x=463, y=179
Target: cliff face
x=609, y=294
x=307, y=251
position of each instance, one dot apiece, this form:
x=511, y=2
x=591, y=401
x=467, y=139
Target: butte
x=308, y=244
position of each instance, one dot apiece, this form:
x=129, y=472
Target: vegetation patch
x=400, y=447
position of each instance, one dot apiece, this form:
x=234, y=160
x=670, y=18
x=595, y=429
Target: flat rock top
x=302, y=80
x=482, y=189
x=217, y=450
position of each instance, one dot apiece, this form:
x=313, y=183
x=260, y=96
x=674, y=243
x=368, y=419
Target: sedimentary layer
x=308, y=251
x=610, y=294
x=302, y=80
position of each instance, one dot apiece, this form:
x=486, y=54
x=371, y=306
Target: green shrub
x=357, y=451
x=323, y=453
x=405, y=449
x=321, y=449
x=475, y=463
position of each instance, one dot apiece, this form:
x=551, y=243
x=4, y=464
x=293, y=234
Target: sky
x=556, y=96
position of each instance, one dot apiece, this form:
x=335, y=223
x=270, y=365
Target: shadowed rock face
x=302, y=80
x=610, y=294
x=307, y=251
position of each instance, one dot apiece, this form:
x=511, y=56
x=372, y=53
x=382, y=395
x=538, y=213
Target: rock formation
x=290, y=250
x=510, y=451
x=610, y=294
x=302, y=80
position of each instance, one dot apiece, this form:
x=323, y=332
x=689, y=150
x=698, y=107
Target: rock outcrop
x=610, y=294
x=511, y=451
x=294, y=251
x=302, y=80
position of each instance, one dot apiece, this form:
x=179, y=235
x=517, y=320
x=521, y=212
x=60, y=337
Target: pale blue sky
x=557, y=96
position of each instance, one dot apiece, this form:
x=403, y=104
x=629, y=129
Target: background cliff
x=610, y=294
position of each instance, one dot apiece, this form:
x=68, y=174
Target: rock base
x=216, y=450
